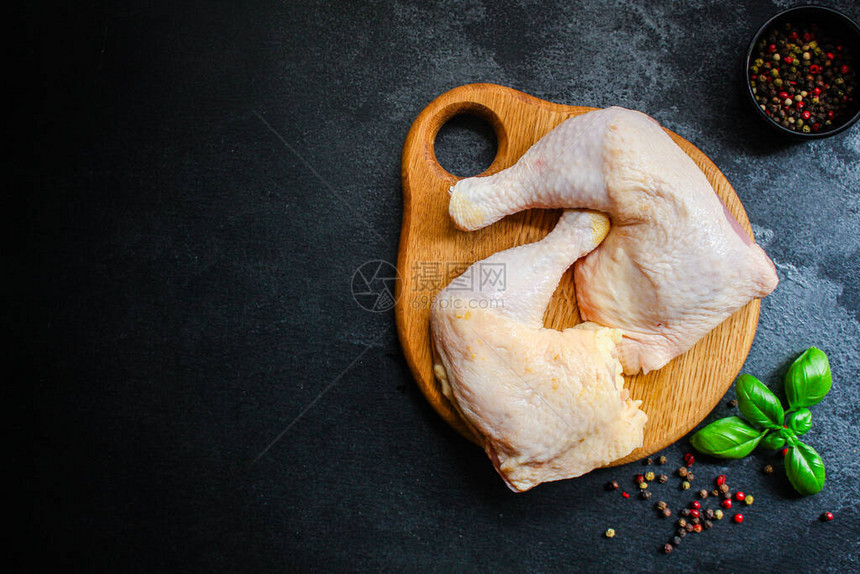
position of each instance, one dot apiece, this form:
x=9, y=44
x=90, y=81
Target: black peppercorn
x=661, y=505
x=662, y=460
x=662, y=478
x=768, y=469
x=709, y=514
x=703, y=493
x=733, y=403
x=667, y=513
x=649, y=461
x=685, y=512
x=708, y=524
x=667, y=548
x=644, y=495
x=676, y=540
x=612, y=485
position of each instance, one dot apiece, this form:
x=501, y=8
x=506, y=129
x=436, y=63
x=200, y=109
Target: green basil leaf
x=800, y=422
x=758, y=404
x=731, y=437
x=805, y=469
x=808, y=379
x=773, y=441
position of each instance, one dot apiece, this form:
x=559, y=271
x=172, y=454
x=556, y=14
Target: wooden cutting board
x=432, y=252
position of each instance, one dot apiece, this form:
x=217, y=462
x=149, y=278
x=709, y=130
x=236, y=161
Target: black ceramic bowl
x=838, y=26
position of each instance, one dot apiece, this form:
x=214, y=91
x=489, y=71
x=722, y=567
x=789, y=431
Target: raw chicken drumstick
x=546, y=404
x=675, y=264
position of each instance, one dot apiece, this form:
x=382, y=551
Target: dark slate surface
x=208, y=176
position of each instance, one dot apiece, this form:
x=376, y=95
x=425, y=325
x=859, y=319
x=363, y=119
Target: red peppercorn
x=738, y=518
x=816, y=127
x=807, y=37
x=800, y=105
x=814, y=69
x=697, y=528
x=788, y=60
x=793, y=36
x=726, y=504
x=771, y=49
x=830, y=114
x=844, y=69
x=721, y=480
x=782, y=96
x=694, y=513
x=625, y=495
x=805, y=115
x=816, y=91
x=696, y=505
x=830, y=55
x=739, y=496
x=689, y=459
x=827, y=516
x=639, y=478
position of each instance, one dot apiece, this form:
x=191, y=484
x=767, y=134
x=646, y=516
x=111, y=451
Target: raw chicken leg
x=545, y=404
x=675, y=263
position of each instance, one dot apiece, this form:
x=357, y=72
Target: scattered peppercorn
x=682, y=472
x=695, y=521
x=610, y=533
x=690, y=476
x=667, y=548
x=797, y=65
x=768, y=469
x=715, y=492
x=733, y=403
x=649, y=461
x=709, y=514
x=697, y=528
x=661, y=505
x=625, y=495
x=685, y=485
x=662, y=460
x=649, y=476
x=681, y=523
x=689, y=459
x=721, y=480
x=703, y=493
x=643, y=485
x=684, y=512
x=662, y=478
x=827, y=516
x=708, y=524
x=644, y=495
x=738, y=518
x=718, y=514
x=689, y=527
x=696, y=504
x=694, y=513
x=667, y=513
x=749, y=499
x=676, y=540
x=724, y=488
x=727, y=503
x=681, y=532
x=612, y=485
x=639, y=478
x=739, y=496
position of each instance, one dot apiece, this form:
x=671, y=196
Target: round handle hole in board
x=466, y=145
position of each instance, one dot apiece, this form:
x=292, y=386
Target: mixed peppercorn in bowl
x=800, y=72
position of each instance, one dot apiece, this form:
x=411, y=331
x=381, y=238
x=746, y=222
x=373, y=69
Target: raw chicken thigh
x=546, y=404
x=675, y=263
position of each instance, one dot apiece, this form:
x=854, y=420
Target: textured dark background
x=206, y=178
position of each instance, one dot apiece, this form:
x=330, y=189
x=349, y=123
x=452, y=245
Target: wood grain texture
x=432, y=252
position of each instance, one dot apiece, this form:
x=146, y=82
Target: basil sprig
x=765, y=422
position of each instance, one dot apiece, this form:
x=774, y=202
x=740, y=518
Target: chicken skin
x=675, y=263
x=545, y=404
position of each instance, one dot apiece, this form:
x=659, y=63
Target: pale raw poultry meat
x=675, y=264
x=545, y=404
